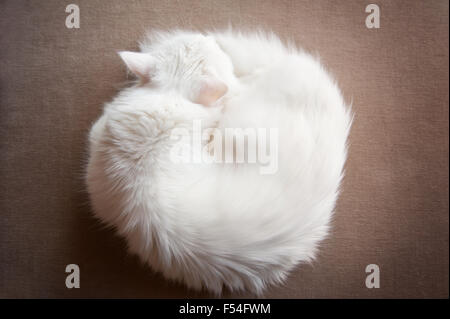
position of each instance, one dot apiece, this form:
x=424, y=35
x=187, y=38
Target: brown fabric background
x=394, y=206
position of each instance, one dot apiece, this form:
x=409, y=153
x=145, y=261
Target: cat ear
x=140, y=64
x=209, y=90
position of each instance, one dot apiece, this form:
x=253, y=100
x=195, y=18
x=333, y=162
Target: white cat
x=220, y=225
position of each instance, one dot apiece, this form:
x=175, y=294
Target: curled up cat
x=206, y=218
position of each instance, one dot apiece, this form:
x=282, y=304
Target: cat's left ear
x=140, y=64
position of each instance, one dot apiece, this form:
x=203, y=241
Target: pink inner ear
x=138, y=63
x=211, y=89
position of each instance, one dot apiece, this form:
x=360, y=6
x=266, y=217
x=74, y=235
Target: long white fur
x=220, y=225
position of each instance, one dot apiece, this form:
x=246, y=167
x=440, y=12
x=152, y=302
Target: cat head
x=191, y=64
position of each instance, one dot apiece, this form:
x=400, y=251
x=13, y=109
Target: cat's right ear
x=140, y=64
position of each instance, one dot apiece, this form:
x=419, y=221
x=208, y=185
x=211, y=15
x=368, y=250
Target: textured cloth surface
x=393, y=209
